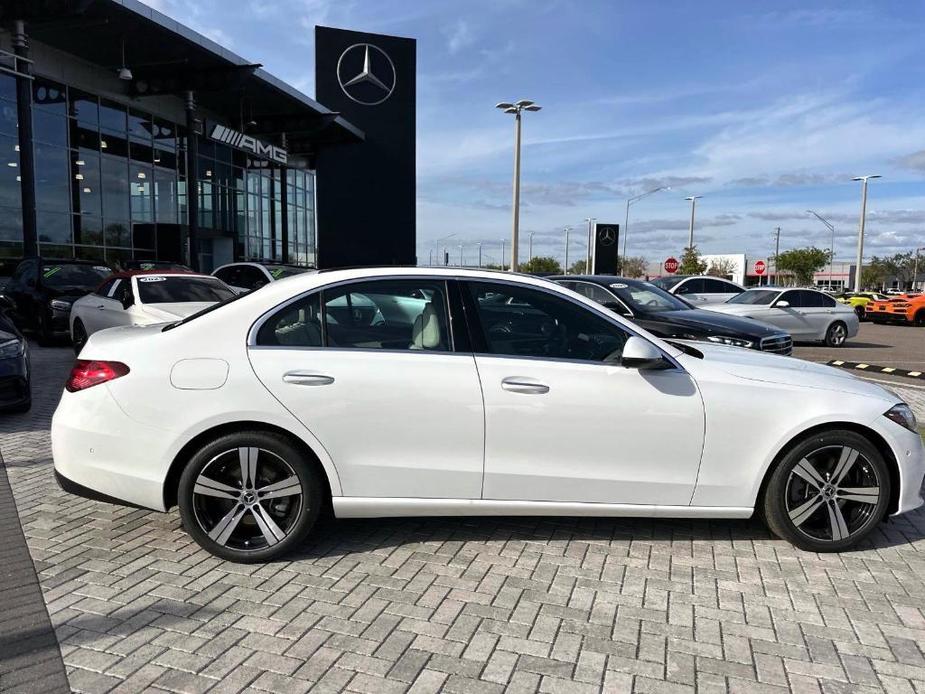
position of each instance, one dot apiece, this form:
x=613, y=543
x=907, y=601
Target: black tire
x=79, y=336
x=919, y=319
x=836, y=335
x=862, y=313
x=238, y=521
x=808, y=516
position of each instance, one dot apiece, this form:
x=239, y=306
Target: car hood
x=752, y=365
x=174, y=311
x=715, y=323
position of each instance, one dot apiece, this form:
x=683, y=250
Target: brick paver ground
x=464, y=605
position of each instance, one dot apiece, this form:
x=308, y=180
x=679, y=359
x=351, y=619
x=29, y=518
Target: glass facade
x=110, y=184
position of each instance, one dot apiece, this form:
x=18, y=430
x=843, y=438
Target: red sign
x=671, y=265
x=760, y=267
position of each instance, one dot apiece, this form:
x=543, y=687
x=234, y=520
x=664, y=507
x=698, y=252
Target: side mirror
x=641, y=354
x=618, y=308
x=782, y=304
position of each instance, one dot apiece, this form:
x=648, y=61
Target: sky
x=766, y=109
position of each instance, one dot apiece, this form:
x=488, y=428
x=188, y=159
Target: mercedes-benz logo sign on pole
x=607, y=236
x=366, y=74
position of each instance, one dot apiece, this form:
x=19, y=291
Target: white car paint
x=247, y=276
x=702, y=290
x=414, y=432
x=98, y=311
x=804, y=323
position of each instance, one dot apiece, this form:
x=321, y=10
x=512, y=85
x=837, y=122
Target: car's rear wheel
x=79, y=337
x=862, y=314
x=919, y=318
x=249, y=496
x=836, y=335
x=828, y=492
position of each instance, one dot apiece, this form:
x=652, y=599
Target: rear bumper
x=97, y=447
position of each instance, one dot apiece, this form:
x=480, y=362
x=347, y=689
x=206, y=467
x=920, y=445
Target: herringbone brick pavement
x=464, y=605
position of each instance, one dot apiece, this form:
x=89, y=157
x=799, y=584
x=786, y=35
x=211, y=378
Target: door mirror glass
x=782, y=304
x=641, y=354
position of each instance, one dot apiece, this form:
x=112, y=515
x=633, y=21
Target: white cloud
x=459, y=36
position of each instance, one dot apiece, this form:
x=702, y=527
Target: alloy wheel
x=837, y=335
x=247, y=499
x=832, y=493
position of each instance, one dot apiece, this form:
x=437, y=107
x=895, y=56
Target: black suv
x=668, y=316
x=40, y=292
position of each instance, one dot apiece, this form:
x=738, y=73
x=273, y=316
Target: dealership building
x=125, y=135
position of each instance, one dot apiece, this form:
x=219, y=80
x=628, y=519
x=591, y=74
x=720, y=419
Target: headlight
x=60, y=305
x=11, y=348
x=733, y=341
x=903, y=415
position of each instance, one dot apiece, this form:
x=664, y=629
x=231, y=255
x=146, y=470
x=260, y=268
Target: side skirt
x=372, y=507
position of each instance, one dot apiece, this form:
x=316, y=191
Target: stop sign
x=671, y=265
x=760, y=267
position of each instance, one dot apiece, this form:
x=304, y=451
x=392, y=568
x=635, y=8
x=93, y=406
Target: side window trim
x=114, y=288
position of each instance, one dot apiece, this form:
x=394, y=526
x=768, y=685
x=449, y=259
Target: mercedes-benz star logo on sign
x=607, y=236
x=366, y=74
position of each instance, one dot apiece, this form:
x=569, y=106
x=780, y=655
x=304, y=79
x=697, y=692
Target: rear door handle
x=522, y=384
x=306, y=378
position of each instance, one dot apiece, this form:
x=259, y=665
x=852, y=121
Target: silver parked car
x=700, y=289
x=808, y=315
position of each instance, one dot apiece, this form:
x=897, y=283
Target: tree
x=496, y=266
x=633, y=266
x=803, y=263
x=721, y=267
x=900, y=266
x=542, y=264
x=578, y=268
x=691, y=264
x=875, y=273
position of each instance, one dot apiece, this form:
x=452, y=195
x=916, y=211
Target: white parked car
x=418, y=392
x=808, y=315
x=699, y=289
x=246, y=277
x=143, y=298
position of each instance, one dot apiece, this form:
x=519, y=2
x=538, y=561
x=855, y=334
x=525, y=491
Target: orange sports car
x=908, y=308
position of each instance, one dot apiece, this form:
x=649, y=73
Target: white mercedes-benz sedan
x=807, y=314
x=417, y=392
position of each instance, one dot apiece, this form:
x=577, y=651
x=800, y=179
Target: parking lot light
x=832, y=246
x=516, y=109
x=861, y=224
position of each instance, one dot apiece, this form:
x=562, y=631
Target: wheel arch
x=875, y=439
x=180, y=460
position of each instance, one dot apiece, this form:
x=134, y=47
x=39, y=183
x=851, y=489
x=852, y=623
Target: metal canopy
x=167, y=57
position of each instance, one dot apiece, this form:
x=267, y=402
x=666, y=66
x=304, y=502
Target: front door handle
x=306, y=378
x=522, y=384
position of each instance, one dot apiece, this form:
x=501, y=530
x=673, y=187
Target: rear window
x=161, y=289
x=61, y=275
x=666, y=283
x=278, y=272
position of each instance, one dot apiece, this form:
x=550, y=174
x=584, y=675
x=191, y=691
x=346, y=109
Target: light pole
x=863, y=221
x=439, y=241
x=915, y=270
x=588, y=255
x=831, y=247
x=567, y=230
x=690, y=233
x=531, y=244
x=460, y=255
x=776, y=253
x=502, y=254
x=630, y=201
x=480, y=255
x=516, y=108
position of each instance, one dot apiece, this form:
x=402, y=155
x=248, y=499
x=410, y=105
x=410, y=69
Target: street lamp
x=531, y=244
x=588, y=255
x=567, y=230
x=863, y=220
x=630, y=201
x=831, y=247
x=517, y=108
x=480, y=254
x=502, y=254
x=690, y=234
x=460, y=255
x=437, y=243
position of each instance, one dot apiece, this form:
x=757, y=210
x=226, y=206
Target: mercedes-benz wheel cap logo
x=366, y=74
x=607, y=236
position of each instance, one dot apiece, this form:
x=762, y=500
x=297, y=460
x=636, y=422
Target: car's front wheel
x=79, y=336
x=836, y=335
x=829, y=491
x=249, y=496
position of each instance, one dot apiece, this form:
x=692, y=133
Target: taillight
x=89, y=372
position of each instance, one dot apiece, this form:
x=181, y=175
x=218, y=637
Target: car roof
x=161, y=273
x=604, y=280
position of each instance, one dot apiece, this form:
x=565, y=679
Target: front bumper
x=909, y=452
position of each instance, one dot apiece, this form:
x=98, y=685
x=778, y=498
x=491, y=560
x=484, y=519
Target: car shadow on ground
x=849, y=344
x=342, y=537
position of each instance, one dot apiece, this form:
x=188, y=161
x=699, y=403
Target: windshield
x=757, y=296
x=647, y=298
x=666, y=283
x=87, y=277
x=278, y=272
x=160, y=289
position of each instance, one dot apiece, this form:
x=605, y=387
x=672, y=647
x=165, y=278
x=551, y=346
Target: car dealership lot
x=465, y=604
